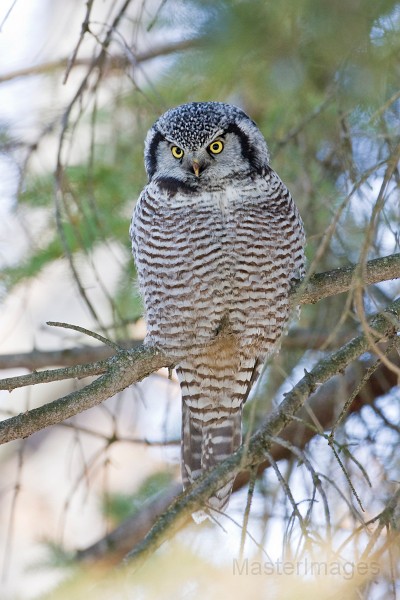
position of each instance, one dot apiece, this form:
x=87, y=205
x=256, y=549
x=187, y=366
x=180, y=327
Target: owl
x=218, y=243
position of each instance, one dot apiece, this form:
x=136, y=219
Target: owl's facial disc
x=202, y=146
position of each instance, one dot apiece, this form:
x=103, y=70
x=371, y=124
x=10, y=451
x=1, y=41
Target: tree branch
x=319, y=286
x=114, y=63
x=123, y=369
x=78, y=372
x=330, y=283
x=321, y=408
x=118, y=542
x=254, y=452
x=297, y=339
x=129, y=366
x=68, y=357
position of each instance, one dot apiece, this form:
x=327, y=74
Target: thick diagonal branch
x=321, y=408
x=262, y=441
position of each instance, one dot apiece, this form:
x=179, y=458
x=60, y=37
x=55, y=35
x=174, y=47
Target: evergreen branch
x=77, y=371
x=128, y=367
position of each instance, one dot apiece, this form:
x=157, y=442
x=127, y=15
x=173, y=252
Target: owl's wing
x=290, y=223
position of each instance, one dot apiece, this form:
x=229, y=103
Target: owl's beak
x=196, y=167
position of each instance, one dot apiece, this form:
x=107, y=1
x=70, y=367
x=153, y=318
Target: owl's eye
x=216, y=147
x=177, y=152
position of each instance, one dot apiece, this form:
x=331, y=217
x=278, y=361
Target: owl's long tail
x=212, y=425
x=208, y=439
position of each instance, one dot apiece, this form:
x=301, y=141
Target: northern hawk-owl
x=218, y=242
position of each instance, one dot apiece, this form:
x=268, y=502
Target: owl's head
x=203, y=142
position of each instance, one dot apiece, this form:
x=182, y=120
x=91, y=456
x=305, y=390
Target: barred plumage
x=217, y=242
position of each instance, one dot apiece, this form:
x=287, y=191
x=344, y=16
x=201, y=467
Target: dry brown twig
x=361, y=267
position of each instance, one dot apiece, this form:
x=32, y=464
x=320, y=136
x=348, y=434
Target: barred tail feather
x=212, y=421
x=206, y=443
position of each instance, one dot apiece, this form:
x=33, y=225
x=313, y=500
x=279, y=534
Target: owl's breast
x=203, y=256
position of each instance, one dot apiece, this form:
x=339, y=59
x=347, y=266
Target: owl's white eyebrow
x=221, y=133
x=171, y=143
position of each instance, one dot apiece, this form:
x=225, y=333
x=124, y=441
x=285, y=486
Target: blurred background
x=80, y=84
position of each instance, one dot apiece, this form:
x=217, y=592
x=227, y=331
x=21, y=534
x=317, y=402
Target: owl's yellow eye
x=216, y=147
x=177, y=152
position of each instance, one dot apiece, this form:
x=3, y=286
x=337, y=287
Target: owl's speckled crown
x=194, y=124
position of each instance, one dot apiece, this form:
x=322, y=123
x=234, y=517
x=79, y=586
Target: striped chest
x=207, y=255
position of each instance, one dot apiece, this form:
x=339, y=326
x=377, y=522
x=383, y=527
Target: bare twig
x=92, y=334
x=246, y=516
x=84, y=29
x=7, y=15
x=386, y=517
x=361, y=267
x=114, y=63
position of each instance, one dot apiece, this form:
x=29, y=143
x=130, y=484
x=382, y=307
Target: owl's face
x=203, y=143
